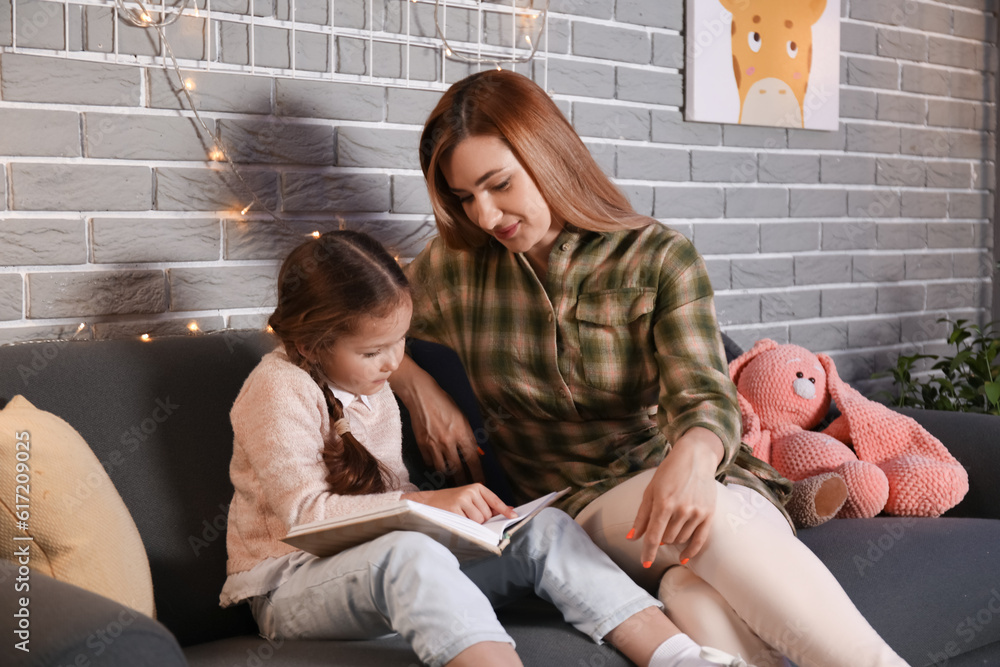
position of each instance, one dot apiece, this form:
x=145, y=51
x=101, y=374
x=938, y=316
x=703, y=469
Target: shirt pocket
x=616, y=345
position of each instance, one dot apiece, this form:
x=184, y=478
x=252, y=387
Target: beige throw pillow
x=55, y=491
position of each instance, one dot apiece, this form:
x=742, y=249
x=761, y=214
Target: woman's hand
x=473, y=501
x=679, y=503
x=443, y=434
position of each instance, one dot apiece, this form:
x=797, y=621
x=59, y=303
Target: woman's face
x=498, y=195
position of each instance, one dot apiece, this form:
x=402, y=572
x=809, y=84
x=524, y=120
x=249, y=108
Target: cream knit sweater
x=280, y=421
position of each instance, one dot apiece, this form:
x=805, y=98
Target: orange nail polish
x=630, y=535
x=647, y=564
x=684, y=561
x=480, y=450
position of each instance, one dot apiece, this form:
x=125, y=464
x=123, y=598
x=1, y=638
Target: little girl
x=318, y=434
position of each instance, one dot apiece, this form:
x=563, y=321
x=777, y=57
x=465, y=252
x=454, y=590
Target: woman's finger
x=695, y=544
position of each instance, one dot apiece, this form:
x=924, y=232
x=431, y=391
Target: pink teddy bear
x=895, y=464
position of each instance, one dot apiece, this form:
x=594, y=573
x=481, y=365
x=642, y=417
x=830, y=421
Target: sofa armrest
x=973, y=439
x=67, y=625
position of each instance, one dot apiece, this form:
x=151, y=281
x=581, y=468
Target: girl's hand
x=679, y=503
x=473, y=501
x=443, y=434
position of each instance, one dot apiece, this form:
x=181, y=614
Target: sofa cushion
x=57, y=493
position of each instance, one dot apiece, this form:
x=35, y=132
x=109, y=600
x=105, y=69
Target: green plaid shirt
x=586, y=376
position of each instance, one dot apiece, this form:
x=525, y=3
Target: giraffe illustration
x=772, y=57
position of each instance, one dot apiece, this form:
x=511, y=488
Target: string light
x=245, y=209
x=451, y=53
x=193, y=327
x=189, y=83
x=315, y=235
x=216, y=155
x=268, y=329
x=145, y=338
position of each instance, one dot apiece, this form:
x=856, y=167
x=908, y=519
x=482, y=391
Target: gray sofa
x=931, y=587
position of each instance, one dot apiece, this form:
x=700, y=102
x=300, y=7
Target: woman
x=590, y=330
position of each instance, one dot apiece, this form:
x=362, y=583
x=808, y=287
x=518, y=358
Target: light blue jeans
x=406, y=582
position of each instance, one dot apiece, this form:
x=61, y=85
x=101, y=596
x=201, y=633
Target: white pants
x=754, y=589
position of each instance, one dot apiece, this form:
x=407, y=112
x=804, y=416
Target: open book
x=464, y=537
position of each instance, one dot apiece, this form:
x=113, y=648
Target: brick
x=352, y=55
x=594, y=40
x=211, y=91
x=745, y=337
x=377, y=147
x=6, y=27
x=42, y=241
x=972, y=86
x=872, y=333
x=3, y=187
x=21, y=135
x=858, y=38
x=946, y=113
x=787, y=168
x=557, y=35
x=350, y=15
x=951, y=296
x=683, y=201
x=187, y=37
x=603, y=152
x=972, y=145
x=307, y=191
x=270, y=47
x=871, y=204
x=653, y=163
x=902, y=235
x=823, y=268
x=598, y=9
x=156, y=328
x=929, y=143
x=723, y=166
x=725, y=238
x=904, y=45
x=789, y=236
x=748, y=202
x=974, y=205
x=668, y=50
x=921, y=328
x=570, y=77
x=669, y=127
x=762, y=272
x=231, y=6
x=339, y=101
x=925, y=80
x=873, y=139
x=932, y=18
x=928, y=266
x=871, y=73
x=410, y=106
x=853, y=366
x=789, y=305
x=858, y=103
x=233, y=42
x=954, y=52
x=640, y=196
x=127, y=240
x=878, y=268
x=752, y=136
x=312, y=54
x=816, y=203
x=849, y=235
x=974, y=26
x=282, y=142
x=737, y=308
x=639, y=85
x=409, y=195
x=977, y=264
x=822, y=336
x=718, y=272
x=40, y=24
x=55, y=187
x=611, y=122
x=144, y=137
x=848, y=301
x=896, y=171
x=950, y=234
x=137, y=41
x=847, y=169
x=211, y=288
x=87, y=293
x=246, y=322
x=61, y=81
x=881, y=11
x=212, y=189
x=665, y=14
x=901, y=108
x=983, y=176
x=309, y=11
x=900, y=298
x=11, y=297
x=924, y=204
x=818, y=139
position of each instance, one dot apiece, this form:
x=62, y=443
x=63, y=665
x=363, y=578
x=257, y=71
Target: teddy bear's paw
x=921, y=486
x=867, y=490
x=815, y=500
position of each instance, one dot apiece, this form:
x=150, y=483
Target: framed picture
x=763, y=62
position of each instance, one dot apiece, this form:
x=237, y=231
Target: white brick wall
x=851, y=242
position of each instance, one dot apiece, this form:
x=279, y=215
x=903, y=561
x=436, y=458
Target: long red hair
x=512, y=107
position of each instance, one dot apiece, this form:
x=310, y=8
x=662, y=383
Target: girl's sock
x=681, y=651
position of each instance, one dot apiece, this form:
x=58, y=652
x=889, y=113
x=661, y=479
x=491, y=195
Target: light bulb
x=189, y=84
x=146, y=18
x=216, y=155
x=145, y=338
x=315, y=235
x=193, y=327
x=246, y=208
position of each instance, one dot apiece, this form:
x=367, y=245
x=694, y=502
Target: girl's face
x=362, y=362
x=498, y=195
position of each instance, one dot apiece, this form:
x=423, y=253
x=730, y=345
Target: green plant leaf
x=992, y=390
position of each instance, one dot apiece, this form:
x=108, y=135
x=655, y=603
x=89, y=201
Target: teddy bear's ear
x=736, y=365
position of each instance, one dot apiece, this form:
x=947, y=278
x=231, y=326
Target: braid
x=352, y=470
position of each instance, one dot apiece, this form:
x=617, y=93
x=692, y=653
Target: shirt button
x=564, y=247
